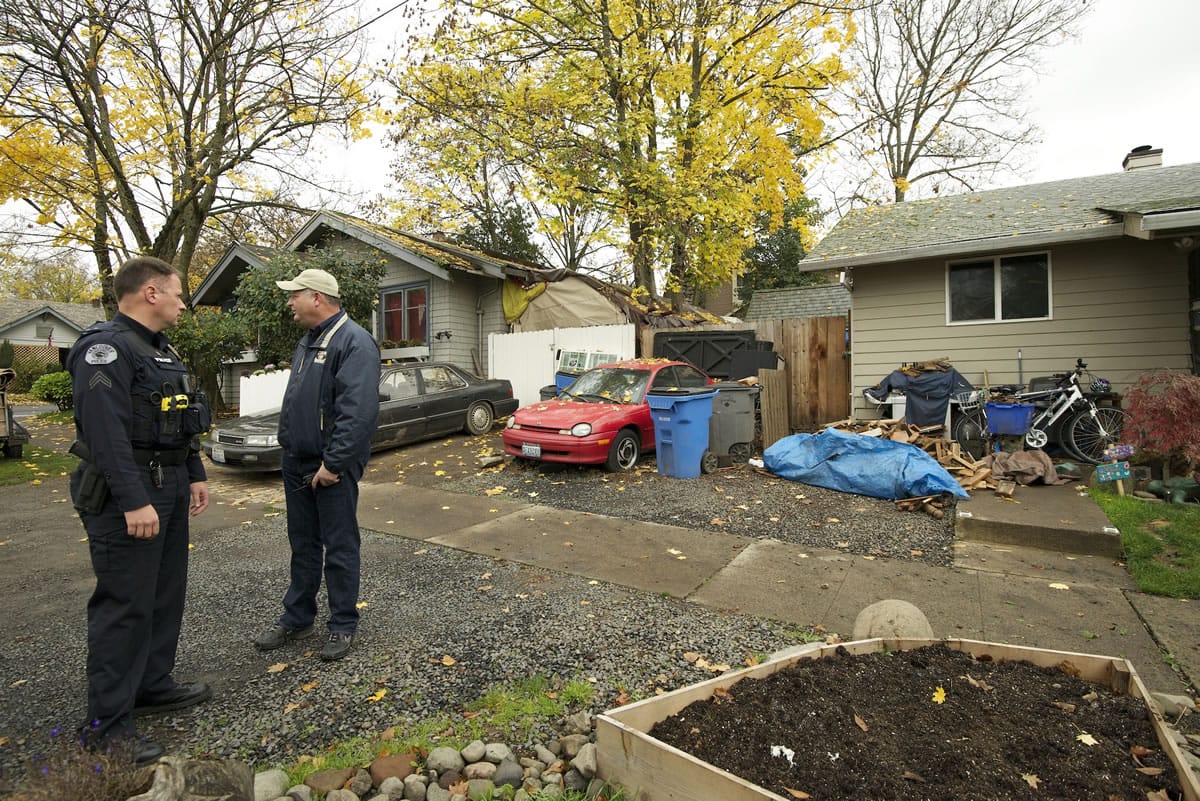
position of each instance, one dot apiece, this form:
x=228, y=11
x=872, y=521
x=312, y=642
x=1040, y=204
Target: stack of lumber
x=967, y=471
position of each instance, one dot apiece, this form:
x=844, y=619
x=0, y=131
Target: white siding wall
x=1121, y=305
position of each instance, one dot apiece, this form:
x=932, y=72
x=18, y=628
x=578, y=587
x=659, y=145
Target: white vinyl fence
x=530, y=359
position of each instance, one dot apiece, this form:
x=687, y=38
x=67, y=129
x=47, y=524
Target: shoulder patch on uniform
x=101, y=354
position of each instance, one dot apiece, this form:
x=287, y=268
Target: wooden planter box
x=650, y=770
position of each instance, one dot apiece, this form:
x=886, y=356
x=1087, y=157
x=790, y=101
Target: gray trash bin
x=731, y=427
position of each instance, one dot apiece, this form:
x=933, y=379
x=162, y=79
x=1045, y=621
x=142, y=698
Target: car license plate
x=218, y=454
x=531, y=451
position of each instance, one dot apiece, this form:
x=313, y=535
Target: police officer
x=139, y=479
x=329, y=412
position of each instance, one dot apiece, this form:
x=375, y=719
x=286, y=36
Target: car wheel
x=709, y=462
x=479, y=418
x=624, y=453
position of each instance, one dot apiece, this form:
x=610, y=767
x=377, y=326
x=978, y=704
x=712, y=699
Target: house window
x=406, y=315
x=1000, y=288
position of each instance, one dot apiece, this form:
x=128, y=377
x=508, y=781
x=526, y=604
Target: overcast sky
x=1131, y=78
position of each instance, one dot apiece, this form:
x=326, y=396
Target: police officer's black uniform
x=136, y=418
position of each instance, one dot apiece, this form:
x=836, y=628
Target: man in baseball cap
x=316, y=280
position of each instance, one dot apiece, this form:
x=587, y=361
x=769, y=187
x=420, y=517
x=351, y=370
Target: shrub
x=55, y=388
x=1164, y=415
x=6, y=354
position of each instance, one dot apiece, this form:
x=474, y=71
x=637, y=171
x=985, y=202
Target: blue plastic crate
x=1009, y=418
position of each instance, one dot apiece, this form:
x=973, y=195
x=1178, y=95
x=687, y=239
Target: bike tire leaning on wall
x=1089, y=436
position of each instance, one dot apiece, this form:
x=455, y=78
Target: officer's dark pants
x=136, y=611
x=323, y=532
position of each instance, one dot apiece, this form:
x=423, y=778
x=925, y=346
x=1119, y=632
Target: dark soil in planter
x=869, y=727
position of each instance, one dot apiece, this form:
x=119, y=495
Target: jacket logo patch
x=319, y=358
x=164, y=359
x=100, y=379
x=100, y=354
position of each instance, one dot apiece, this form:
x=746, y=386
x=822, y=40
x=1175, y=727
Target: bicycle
x=1085, y=434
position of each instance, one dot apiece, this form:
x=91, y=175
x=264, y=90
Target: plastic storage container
x=1009, y=418
x=681, y=419
x=731, y=429
x=548, y=392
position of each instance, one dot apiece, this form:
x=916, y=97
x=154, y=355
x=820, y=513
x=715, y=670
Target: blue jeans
x=323, y=532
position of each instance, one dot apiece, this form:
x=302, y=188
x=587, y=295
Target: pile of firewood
x=970, y=473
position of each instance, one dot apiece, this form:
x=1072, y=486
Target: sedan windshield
x=610, y=385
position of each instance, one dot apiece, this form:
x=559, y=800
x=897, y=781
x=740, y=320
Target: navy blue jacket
x=331, y=403
x=119, y=372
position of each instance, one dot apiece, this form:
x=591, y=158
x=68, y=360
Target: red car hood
x=561, y=414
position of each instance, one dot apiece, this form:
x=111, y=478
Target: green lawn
x=1161, y=540
x=35, y=464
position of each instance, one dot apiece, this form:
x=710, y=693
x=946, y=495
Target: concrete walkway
x=1001, y=592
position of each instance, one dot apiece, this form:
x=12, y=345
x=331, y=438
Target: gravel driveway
x=497, y=621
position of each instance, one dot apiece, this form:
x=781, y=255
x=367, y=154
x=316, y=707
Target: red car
x=601, y=418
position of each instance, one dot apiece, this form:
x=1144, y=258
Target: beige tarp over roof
x=569, y=303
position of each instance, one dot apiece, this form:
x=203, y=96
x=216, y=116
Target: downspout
x=477, y=356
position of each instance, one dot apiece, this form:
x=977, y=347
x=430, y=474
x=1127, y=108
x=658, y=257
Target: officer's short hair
x=135, y=273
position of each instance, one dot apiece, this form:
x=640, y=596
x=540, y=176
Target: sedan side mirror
x=383, y=396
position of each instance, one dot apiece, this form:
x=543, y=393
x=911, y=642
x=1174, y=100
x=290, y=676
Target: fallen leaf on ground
x=290, y=708
x=361, y=605
x=912, y=777
x=939, y=696
x=1058, y=585
x=974, y=682
x=1150, y=771
x=797, y=793
x=862, y=724
x=1064, y=706
x=309, y=686
x=1031, y=779
x=1087, y=739
x=449, y=661
x=277, y=667
x=376, y=696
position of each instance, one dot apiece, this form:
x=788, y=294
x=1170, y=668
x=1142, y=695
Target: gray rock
x=175, y=777
x=474, y=751
x=579, y=723
x=415, y=788
x=497, y=753
x=552, y=778
x=442, y=759
x=521, y=795
x=508, y=772
x=478, y=789
x=544, y=754
x=479, y=770
x=437, y=793
x=270, y=784
x=574, y=780
x=892, y=618
x=361, y=784
x=585, y=761
x=572, y=743
x=380, y=797
x=342, y=795
x=392, y=787
x=596, y=789
x=1173, y=706
x=531, y=764
x=550, y=791
x=300, y=792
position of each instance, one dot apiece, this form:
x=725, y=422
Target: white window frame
x=996, y=295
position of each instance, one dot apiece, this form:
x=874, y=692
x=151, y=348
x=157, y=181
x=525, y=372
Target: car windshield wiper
x=598, y=398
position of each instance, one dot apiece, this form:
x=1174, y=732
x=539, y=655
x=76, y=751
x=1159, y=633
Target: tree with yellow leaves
x=127, y=124
x=678, y=121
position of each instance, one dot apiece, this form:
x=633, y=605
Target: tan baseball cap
x=316, y=280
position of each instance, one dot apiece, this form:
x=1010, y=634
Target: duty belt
x=165, y=458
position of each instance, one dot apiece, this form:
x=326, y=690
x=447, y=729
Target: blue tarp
x=871, y=466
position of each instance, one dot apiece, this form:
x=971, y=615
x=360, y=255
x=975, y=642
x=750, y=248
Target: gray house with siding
x=434, y=295
x=1020, y=282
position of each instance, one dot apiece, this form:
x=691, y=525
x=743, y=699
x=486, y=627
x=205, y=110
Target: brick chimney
x=1142, y=156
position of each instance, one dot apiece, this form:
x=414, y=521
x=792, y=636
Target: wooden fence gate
x=811, y=386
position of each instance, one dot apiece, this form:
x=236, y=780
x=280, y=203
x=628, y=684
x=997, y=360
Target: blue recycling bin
x=565, y=378
x=681, y=429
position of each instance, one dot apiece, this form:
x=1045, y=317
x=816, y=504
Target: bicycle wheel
x=969, y=432
x=1089, y=436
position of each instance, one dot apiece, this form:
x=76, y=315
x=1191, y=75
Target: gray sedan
x=419, y=401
